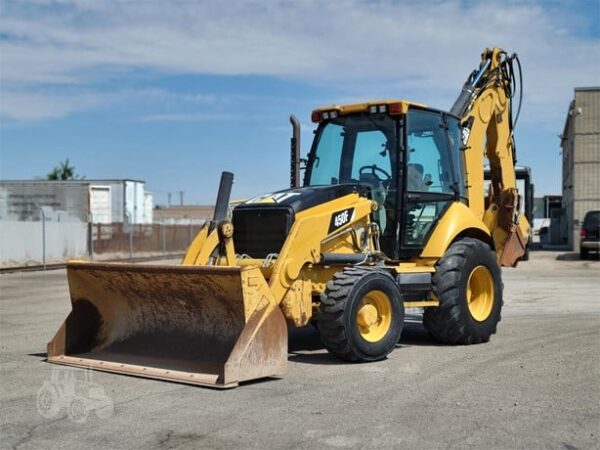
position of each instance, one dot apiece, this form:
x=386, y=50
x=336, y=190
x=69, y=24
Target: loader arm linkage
x=306, y=243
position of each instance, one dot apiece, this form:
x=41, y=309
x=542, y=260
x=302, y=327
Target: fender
x=458, y=219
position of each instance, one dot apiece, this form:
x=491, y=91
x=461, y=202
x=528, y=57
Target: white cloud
x=190, y=117
x=367, y=49
x=38, y=104
x=25, y=105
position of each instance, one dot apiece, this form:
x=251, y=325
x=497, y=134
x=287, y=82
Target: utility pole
x=169, y=201
x=180, y=198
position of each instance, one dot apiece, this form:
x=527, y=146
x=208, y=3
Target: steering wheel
x=374, y=170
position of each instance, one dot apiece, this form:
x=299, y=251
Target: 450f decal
x=341, y=218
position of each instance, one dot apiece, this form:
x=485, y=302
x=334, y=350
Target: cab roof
x=393, y=106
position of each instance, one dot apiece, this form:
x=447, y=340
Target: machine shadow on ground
x=305, y=346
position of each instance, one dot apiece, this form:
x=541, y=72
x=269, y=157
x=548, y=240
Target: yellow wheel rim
x=374, y=316
x=480, y=293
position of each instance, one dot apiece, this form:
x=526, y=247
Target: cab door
x=433, y=175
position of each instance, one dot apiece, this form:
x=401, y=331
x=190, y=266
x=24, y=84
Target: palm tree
x=64, y=171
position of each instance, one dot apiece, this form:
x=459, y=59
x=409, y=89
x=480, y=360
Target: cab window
x=432, y=175
x=430, y=166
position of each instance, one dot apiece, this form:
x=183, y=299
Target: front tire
x=468, y=285
x=361, y=315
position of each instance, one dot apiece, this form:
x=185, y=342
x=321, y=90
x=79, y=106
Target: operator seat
x=415, y=180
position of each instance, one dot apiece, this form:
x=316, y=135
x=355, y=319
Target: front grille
x=258, y=231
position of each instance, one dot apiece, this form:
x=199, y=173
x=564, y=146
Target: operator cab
x=408, y=156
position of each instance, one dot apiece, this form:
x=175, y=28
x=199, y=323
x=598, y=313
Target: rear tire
x=468, y=285
x=361, y=315
x=584, y=253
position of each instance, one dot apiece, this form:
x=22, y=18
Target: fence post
x=164, y=236
x=91, y=234
x=163, y=242
x=43, y=236
x=130, y=226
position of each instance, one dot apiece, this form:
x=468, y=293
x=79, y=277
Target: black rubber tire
x=337, y=314
x=584, y=253
x=451, y=322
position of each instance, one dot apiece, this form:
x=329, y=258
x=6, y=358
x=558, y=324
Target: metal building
x=580, y=142
x=100, y=201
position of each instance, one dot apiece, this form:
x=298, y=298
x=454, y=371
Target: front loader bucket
x=204, y=325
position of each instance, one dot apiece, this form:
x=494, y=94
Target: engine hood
x=299, y=199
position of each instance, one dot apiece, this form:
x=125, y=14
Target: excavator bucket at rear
x=206, y=325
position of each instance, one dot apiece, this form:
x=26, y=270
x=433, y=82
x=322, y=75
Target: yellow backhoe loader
x=391, y=214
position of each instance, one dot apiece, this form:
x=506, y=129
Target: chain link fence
x=119, y=238
x=47, y=241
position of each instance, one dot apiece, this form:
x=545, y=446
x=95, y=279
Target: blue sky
x=175, y=92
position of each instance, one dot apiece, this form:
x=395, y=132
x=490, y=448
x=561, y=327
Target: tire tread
x=334, y=302
x=446, y=322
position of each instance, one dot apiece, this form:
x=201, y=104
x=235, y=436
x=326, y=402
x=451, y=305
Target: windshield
x=357, y=148
x=360, y=148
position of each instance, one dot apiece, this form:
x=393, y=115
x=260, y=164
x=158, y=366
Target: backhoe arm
x=485, y=109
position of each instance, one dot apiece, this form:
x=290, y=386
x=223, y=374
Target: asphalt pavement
x=536, y=384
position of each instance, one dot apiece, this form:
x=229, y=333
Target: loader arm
x=485, y=109
x=213, y=242
x=212, y=247
x=305, y=244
